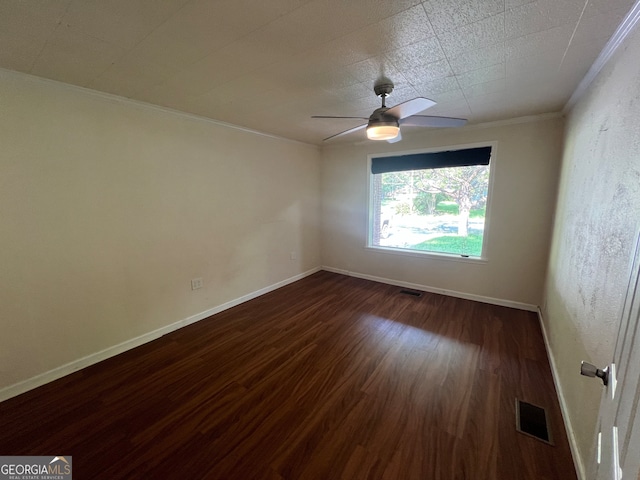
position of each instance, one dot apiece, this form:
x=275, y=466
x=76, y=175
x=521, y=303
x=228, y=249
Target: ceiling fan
x=384, y=123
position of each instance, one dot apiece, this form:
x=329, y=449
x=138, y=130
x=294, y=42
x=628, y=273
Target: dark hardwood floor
x=329, y=378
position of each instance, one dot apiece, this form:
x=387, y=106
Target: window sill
x=447, y=257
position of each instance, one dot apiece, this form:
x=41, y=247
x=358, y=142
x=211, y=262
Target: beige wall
x=108, y=209
x=595, y=231
x=525, y=168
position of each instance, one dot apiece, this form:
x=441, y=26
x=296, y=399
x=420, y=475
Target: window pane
x=434, y=210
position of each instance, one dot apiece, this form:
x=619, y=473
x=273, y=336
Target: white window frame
x=423, y=253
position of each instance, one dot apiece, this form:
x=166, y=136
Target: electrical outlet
x=196, y=283
x=293, y=256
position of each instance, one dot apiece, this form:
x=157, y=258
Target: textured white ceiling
x=269, y=65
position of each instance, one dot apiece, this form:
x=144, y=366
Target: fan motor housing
x=381, y=117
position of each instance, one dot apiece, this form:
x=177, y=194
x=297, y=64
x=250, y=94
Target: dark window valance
x=421, y=161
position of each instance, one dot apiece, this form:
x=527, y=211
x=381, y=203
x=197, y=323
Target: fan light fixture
x=384, y=131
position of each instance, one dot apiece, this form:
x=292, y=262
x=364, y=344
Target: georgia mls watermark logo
x=36, y=468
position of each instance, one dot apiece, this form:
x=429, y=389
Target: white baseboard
x=577, y=459
x=442, y=291
x=246, y=298
x=63, y=370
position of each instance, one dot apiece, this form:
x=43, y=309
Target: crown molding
x=539, y=117
x=623, y=31
x=514, y=121
x=111, y=97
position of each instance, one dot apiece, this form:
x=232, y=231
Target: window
x=433, y=202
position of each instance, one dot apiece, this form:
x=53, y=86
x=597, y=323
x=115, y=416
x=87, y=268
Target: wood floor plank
x=331, y=377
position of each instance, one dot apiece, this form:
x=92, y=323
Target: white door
x=618, y=442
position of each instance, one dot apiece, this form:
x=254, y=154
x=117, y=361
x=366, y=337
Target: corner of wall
x=578, y=461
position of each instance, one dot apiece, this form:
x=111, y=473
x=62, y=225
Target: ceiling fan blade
x=428, y=121
x=351, y=130
x=396, y=139
x=410, y=107
x=330, y=116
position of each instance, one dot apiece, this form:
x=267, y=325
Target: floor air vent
x=413, y=293
x=532, y=420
